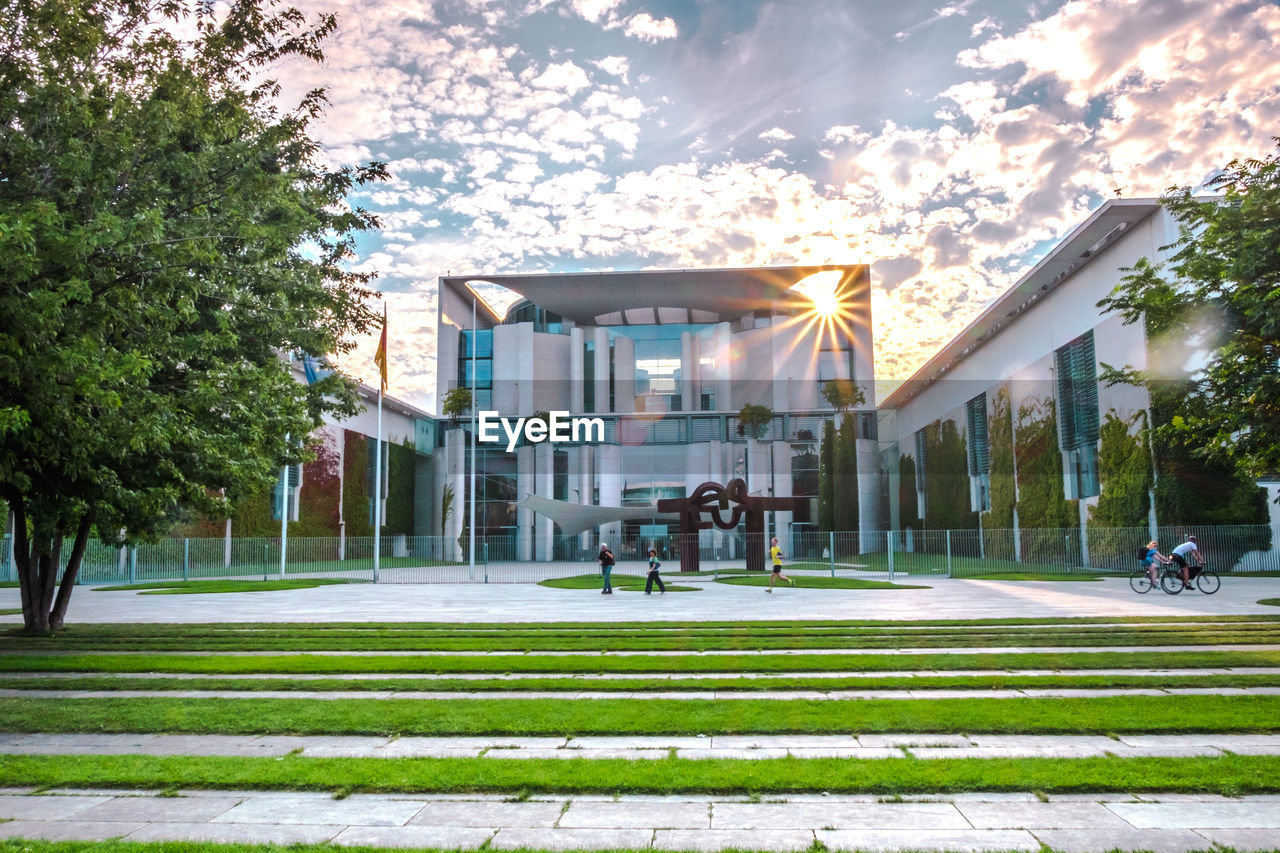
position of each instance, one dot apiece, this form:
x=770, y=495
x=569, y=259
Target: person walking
x=775, y=554
x=606, y=568
x=653, y=575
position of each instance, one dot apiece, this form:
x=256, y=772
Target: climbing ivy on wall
x=1004, y=494
x=946, y=479
x=1124, y=473
x=355, y=496
x=401, y=460
x=1040, y=501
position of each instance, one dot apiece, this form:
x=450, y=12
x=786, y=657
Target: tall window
x=920, y=460
x=295, y=488
x=1078, y=415
x=483, y=366
x=979, y=452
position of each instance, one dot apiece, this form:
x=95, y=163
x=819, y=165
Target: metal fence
x=512, y=559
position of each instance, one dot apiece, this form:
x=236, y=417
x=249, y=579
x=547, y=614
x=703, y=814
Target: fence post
x=186, y=557
x=888, y=535
x=133, y=565
x=486, y=560
x=948, y=553
x=831, y=550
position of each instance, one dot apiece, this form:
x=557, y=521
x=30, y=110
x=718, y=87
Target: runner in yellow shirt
x=775, y=553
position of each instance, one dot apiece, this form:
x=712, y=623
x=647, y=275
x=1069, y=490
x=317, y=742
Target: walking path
x=972, y=822
x=886, y=746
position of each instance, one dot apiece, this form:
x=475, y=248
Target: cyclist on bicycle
x=1152, y=557
x=1180, y=554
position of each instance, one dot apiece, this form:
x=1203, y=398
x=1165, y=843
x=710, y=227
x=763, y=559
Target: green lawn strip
x=1270, y=602
x=1231, y=775
x=13, y=611
x=641, y=641
x=622, y=582
x=604, y=685
x=810, y=582
x=195, y=587
x=639, y=663
x=479, y=716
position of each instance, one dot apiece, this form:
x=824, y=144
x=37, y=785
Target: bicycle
x=1142, y=582
x=1206, y=580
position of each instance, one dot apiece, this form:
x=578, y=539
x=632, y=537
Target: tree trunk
x=38, y=559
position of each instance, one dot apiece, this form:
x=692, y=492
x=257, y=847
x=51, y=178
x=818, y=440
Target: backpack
x=1142, y=552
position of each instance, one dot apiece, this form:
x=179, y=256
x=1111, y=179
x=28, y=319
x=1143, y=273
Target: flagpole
x=284, y=499
x=377, y=455
x=471, y=545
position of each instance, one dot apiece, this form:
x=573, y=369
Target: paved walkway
x=528, y=602
x=1017, y=821
x=649, y=746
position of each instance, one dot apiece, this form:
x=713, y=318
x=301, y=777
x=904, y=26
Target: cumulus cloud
x=776, y=134
x=648, y=28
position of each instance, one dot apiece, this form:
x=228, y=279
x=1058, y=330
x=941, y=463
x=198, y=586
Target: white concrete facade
x=668, y=359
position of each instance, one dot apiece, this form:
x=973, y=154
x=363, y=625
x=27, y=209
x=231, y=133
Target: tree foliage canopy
x=1218, y=288
x=167, y=233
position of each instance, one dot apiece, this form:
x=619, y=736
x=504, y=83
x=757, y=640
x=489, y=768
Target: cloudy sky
x=948, y=145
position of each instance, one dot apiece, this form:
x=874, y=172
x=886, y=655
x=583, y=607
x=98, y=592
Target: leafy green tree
x=753, y=418
x=1124, y=473
x=167, y=232
x=842, y=394
x=1225, y=263
x=456, y=401
x=946, y=479
x=908, y=504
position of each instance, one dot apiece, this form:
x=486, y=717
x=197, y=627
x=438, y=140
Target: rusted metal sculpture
x=713, y=498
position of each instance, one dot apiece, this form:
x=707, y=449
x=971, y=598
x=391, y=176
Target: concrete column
x=602, y=370
x=724, y=370
x=586, y=484
x=688, y=364
x=782, y=489
x=575, y=370
x=609, y=476
x=455, y=454
x=525, y=485
x=624, y=374
x=867, y=455
x=544, y=481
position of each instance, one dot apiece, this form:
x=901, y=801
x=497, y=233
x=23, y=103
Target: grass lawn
x=194, y=587
x=555, y=716
x=577, y=684
x=1270, y=602
x=1231, y=775
x=810, y=582
x=625, y=583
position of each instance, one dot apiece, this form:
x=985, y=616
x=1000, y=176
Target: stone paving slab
x=631, y=815
x=490, y=813
x=1192, y=815
x=358, y=810
x=1040, y=815
x=738, y=839
x=1113, y=838
x=965, y=840
x=441, y=837
x=571, y=839
x=1243, y=839
x=161, y=809
x=38, y=808
x=236, y=833
x=67, y=830
x=837, y=815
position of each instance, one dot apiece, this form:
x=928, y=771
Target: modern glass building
x=665, y=360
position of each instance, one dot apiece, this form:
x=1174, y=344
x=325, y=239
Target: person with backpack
x=1150, y=556
x=653, y=577
x=606, y=567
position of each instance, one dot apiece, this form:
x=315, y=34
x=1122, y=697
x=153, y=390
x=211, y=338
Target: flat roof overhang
x=586, y=298
x=1107, y=224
